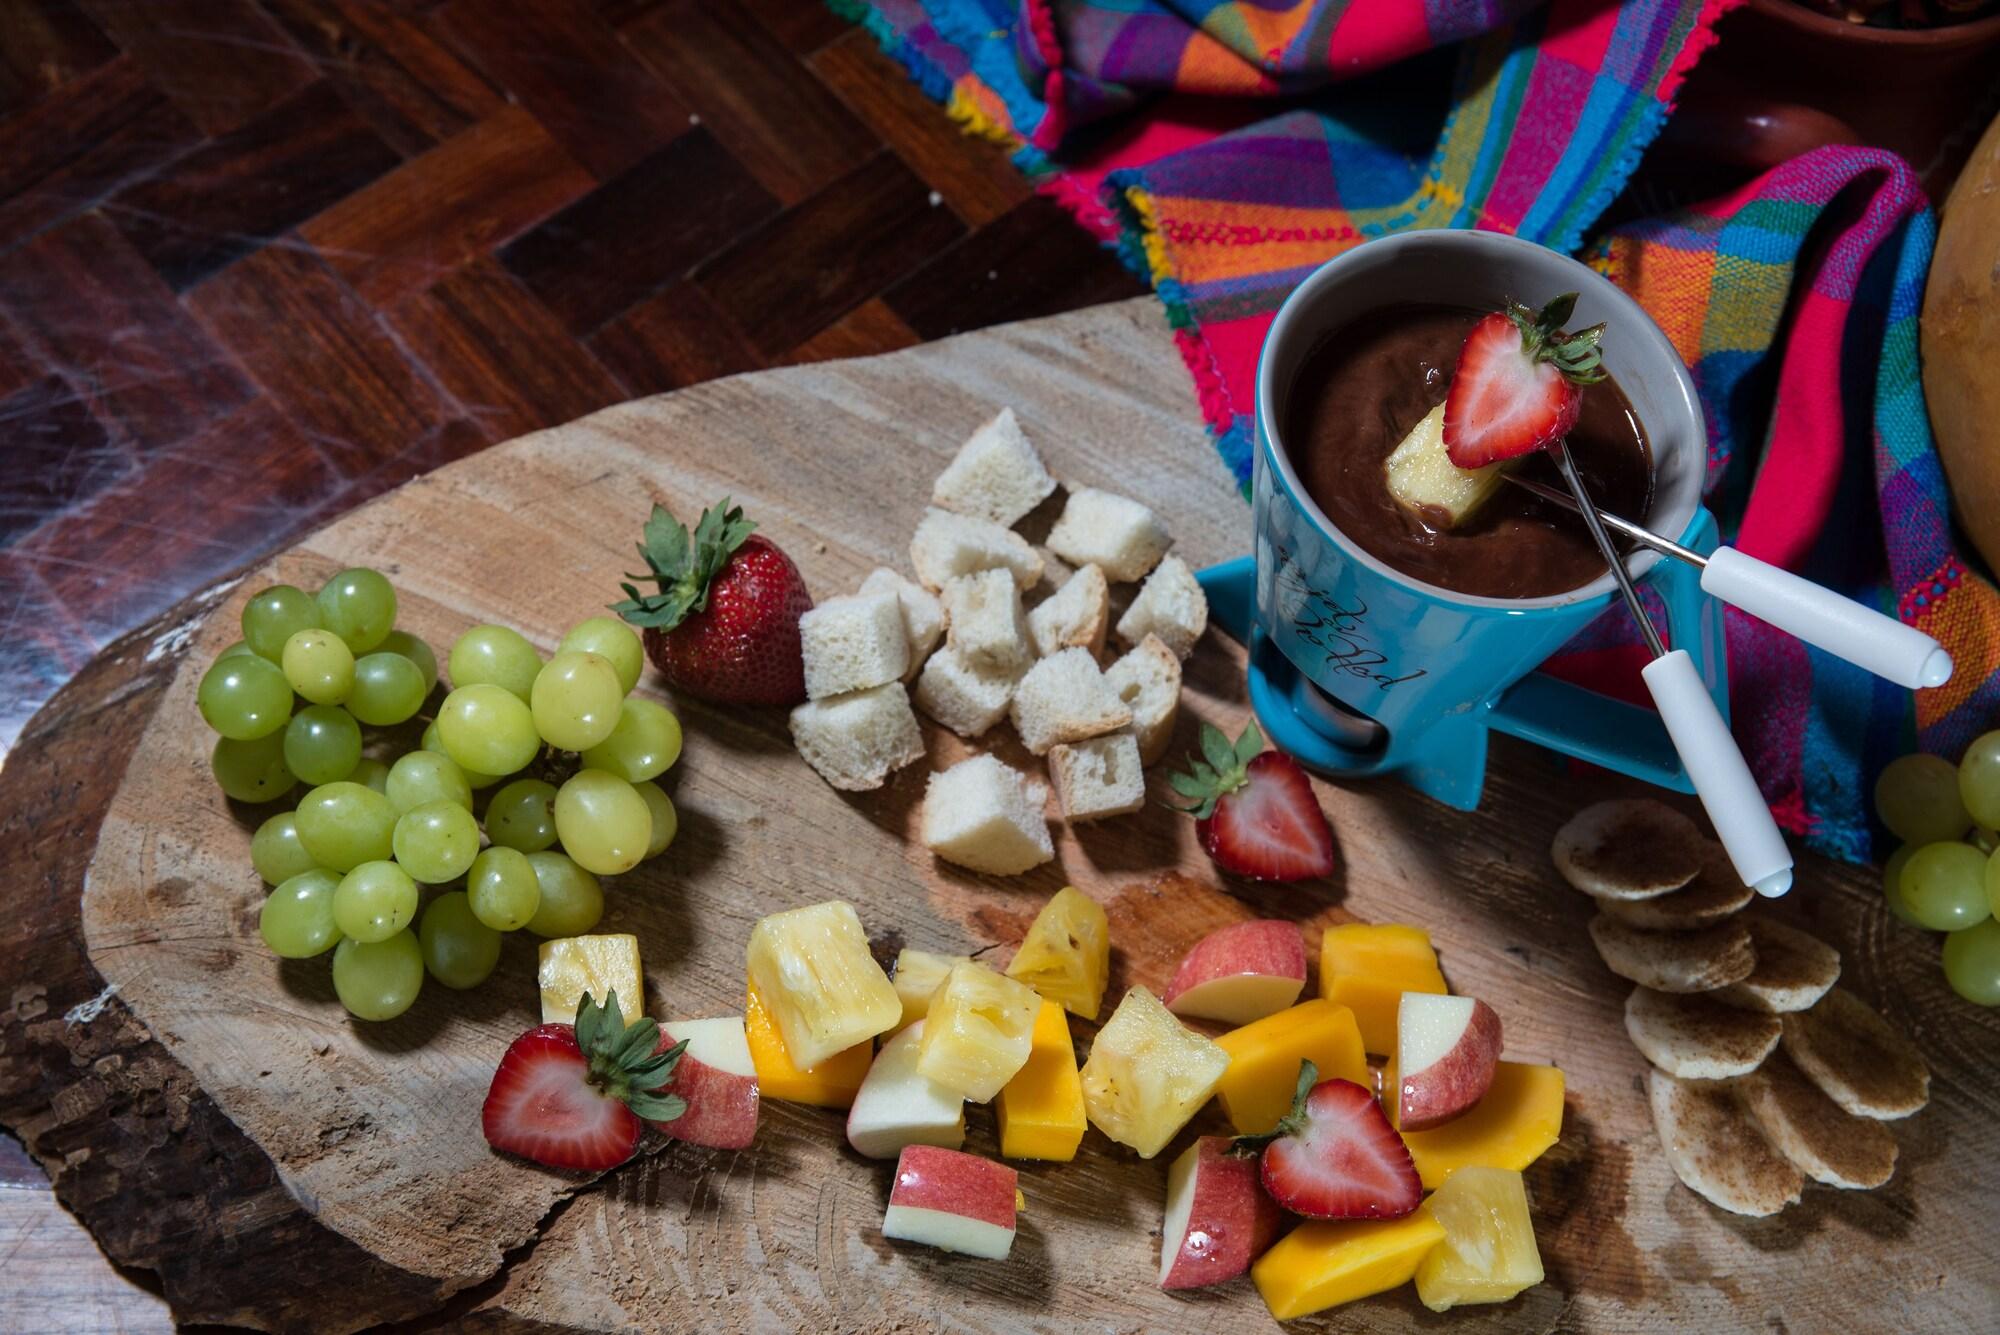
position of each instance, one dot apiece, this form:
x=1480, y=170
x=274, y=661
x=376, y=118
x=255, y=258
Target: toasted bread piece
x=986, y=624
x=1710, y=897
x=984, y=815
x=1857, y=1058
x=1794, y=970
x=923, y=614
x=1115, y=532
x=1715, y=1148
x=1632, y=848
x=853, y=644
x=962, y=697
x=1148, y=680
x=1810, y=1129
x=1074, y=616
x=1698, y=1039
x=1064, y=698
x=1698, y=961
x=996, y=475
x=1098, y=777
x=1170, y=605
x=855, y=740
x=948, y=545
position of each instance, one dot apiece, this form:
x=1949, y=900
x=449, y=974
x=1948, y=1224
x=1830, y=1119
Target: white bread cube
x=855, y=740
x=996, y=475
x=1170, y=605
x=1074, y=616
x=1098, y=777
x=923, y=614
x=987, y=626
x=1114, y=532
x=1064, y=698
x=960, y=696
x=1148, y=681
x=948, y=545
x=983, y=815
x=853, y=643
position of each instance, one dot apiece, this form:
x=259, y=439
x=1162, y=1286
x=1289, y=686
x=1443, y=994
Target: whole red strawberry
x=573, y=1096
x=1254, y=809
x=1335, y=1156
x=1518, y=386
x=724, y=624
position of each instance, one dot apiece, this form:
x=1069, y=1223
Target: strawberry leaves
x=1221, y=769
x=623, y=1061
x=682, y=565
x=1578, y=356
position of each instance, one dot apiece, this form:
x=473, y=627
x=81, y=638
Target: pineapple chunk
x=1148, y=1074
x=1488, y=1254
x=918, y=973
x=1067, y=953
x=978, y=1032
x=1423, y=477
x=824, y=989
x=572, y=965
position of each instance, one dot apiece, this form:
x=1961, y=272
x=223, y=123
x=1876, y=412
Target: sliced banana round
x=1820, y=1139
x=1697, y=1038
x=1715, y=1148
x=1629, y=849
x=1714, y=894
x=1857, y=1058
x=1698, y=961
x=1794, y=969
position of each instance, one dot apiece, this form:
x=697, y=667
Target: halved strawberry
x=1335, y=1156
x=1254, y=809
x=573, y=1096
x=1517, y=386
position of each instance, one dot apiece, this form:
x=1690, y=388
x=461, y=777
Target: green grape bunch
x=1946, y=875
x=534, y=777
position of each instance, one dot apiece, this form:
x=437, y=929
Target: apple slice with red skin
x=953, y=1201
x=1446, y=1049
x=1240, y=973
x=718, y=1081
x=1219, y=1218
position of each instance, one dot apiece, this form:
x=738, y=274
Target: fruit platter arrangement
x=871, y=905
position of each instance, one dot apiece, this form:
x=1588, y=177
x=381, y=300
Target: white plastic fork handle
x=1723, y=782
x=1819, y=616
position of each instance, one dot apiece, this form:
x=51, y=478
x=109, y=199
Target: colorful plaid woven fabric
x=1531, y=126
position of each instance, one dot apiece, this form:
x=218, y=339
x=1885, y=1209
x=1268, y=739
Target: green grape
x=238, y=647
x=613, y=639
x=1892, y=884
x=644, y=745
x=410, y=647
x=346, y=824
x=459, y=950
x=388, y=688
x=371, y=773
x=571, y=900
x=275, y=850
x=473, y=778
x=602, y=822
x=251, y=771
x=487, y=728
x=319, y=666
x=419, y=777
x=495, y=656
x=1983, y=838
x=577, y=700
x=1917, y=798
x=522, y=815
x=378, y=980
x=322, y=744
x=1944, y=886
x=359, y=606
x=436, y=842
x=1972, y=963
x=502, y=889
x=244, y=698
x=1979, y=779
x=274, y=616
x=1991, y=878
x=374, y=901
x=666, y=821
x=297, y=919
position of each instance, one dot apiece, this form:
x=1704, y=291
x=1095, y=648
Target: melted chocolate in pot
x=1363, y=388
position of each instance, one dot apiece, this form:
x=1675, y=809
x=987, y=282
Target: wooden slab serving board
x=311, y=1172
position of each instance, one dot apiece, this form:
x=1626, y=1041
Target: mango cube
x=1368, y=966
x=1514, y=1122
x=572, y=965
x=1264, y=1056
x=1040, y=1111
x=1148, y=1074
x=1066, y=955
x=1324, y=1263
x=918, y=973
x=978, y=1032
x=824, y=989
x=831, y=1084
x=1488, y=1254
